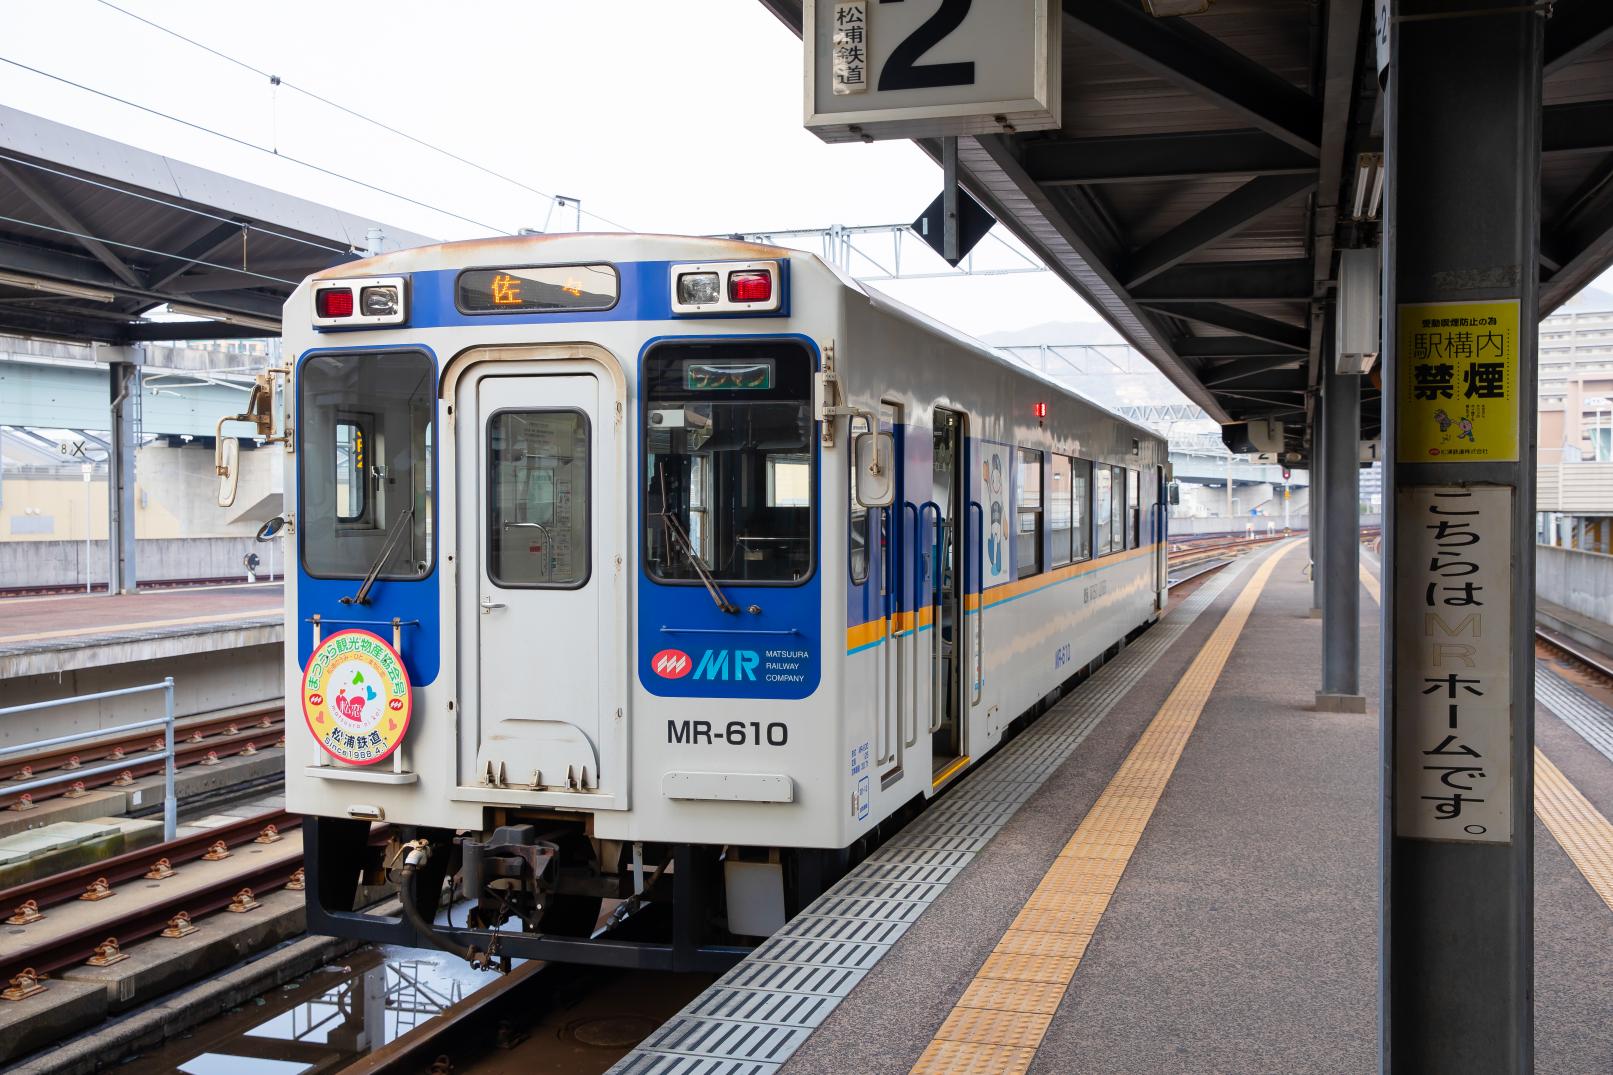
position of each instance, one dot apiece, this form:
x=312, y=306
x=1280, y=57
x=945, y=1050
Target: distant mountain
x=1592, y=298
x=1055, y=332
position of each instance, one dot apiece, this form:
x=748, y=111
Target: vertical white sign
x=996, y=557
x=850, y=45
x=1453, y=666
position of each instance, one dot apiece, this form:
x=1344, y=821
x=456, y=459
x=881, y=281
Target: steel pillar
x=1341, y=541
x=1462, y=227
x=125, y=384
x=1318, y=506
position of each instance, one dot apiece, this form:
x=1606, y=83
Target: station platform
x=1173, y=870
x=50, y=635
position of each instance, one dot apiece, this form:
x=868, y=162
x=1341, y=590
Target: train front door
x=537, y=459
x=946, y=529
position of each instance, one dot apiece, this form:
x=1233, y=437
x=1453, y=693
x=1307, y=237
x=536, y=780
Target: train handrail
x=933, y=576
x=916, y=564
x=975, y=654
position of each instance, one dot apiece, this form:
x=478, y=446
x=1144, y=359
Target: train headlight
x=698, y=288
x=726, y=288
x=379, y=301
x=361, y=303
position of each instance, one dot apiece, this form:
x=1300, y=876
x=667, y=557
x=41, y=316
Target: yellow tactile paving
x=1032, y=998
x=972, y=1058
x=1578, y=826
x=995, y=1026
x=1370, y=583
x=998, y=1024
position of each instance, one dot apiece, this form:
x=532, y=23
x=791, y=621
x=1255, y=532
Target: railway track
x=139, y=915
x=199, y=741
x=1594, y=663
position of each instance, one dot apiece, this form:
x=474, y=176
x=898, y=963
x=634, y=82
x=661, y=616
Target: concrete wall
x=61, y=563
x=241, y=680
x=176, y=496
x=1579, y=581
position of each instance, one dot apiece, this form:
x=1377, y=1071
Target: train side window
x=352, y=442
x=859, y=514
x=1059, y=515
x=1134, y=492
x=1081, y=509
x=1100, y=512
x=1029, y=509
x=1117, y=508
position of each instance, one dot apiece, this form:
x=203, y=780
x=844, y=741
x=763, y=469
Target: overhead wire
x=278, y=80
x=253, y=145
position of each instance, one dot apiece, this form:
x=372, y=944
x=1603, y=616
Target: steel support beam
x=1182, y=54
x=203, y=248
x=1216, y=315
x=1219, y=347
x=1242, y=369
x=1139, y=157
x=1577, y=28
x=1229, y=281
x=1318, y=509
x=1341, y=540
x=1225, y=217
x=1462, y=192
x=1584, y=127
x=125, y=399
x=66, y=218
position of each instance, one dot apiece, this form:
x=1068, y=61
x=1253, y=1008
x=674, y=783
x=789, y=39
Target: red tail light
x=750, y=286
x=334, y=302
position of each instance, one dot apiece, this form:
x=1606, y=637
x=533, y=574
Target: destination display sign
x=537, y=289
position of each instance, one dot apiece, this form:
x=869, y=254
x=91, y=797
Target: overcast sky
x=658, y=115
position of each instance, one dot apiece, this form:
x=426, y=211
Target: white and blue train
x=670, y=571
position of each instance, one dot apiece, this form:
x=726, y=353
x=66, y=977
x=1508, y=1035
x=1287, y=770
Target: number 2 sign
x=928, y=68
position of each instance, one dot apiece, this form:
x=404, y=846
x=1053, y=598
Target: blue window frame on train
x=1101, y=509
x=1028, y=509
x=1081, y=508
x=1117, y=509
x=364, y=464
x=730, y=471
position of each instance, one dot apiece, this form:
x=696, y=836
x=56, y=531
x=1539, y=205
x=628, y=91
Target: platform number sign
x=926, y=68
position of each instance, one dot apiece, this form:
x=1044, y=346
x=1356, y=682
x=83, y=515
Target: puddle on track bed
x=323, y=1020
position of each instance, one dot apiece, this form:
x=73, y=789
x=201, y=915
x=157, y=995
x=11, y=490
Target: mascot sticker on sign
x=356, y=697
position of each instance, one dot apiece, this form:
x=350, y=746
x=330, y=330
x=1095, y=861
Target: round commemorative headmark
x=356, y=697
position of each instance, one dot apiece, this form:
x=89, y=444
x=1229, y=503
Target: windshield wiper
x=674, y=530
x=401, y=525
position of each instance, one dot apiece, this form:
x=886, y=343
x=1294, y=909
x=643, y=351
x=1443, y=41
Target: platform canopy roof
x=1206, y=172
x=94, y=233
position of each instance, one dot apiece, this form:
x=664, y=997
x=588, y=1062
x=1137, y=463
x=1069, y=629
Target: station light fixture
x=747, y=287
x=363, y=303
x=228, y=317
x=55, y=287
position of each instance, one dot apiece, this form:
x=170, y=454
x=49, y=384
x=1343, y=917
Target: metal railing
x=170, y=807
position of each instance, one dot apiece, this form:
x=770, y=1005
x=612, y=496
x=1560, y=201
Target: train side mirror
x=1175, y=490
x=227, y=464
x=874, y=456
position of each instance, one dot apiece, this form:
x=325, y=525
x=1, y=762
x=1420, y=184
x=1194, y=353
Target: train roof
x=601, y=246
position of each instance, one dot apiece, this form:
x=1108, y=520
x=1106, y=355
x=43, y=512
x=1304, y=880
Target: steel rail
x=74, y=948
x=186, y=755
x=134, y=865
x=106, y=747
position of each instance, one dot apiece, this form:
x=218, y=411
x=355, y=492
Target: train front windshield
x=729, y=472
x=364, y=464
